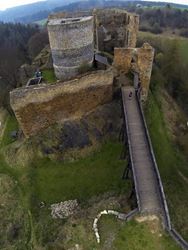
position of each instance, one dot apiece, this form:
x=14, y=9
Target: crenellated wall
x=38, y=107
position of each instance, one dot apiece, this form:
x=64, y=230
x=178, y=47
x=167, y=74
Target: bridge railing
x=174, y=234
x=178, y=238
x=168, y=222
x=131, y=156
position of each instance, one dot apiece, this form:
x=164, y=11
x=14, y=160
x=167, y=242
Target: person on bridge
x=130, y=95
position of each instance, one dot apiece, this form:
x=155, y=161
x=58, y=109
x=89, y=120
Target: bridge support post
x=132, y=192
x=123, y=154
x=127, y=170
x=122, y=134
x=123, y=138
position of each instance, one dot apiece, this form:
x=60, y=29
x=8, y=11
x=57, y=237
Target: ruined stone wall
x=132, y=29
x=139, y=60
x=115, y=28
x=71, y=42
x=38, y=107
x=60, y=15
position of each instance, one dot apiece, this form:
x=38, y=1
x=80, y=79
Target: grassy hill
x=171, y=160
x=167, y=123
x=17, y=13
x=97, y=184
x=91, y=180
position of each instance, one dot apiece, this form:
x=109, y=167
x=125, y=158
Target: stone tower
x=136, y=60
x=115, y=28
x=72, y=45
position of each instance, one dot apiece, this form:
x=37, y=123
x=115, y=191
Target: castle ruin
x=115, y=28
x=138, y=61
x=75, y=40
x=72, y=45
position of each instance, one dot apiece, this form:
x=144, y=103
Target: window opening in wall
x=75, y=20
x=70, y=20
x=127, y=38
x=133, y=60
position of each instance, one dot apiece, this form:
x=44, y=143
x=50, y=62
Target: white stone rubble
x=111, y=212
x=64, y=209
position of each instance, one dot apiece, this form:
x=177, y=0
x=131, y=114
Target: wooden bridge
x=147, y=182
x=146, y=186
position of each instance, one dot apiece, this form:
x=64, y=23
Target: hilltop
x=67, y=143
x=16, y=14
x=40, y=10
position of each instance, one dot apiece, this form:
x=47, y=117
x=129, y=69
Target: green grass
x=171, y=161
x=120, y=235
x=101, y=172
x=16, y=208
x=138, y=236
x=96, y=174
x=11, y=125
x=183, y=43
x=52, y=181
x=49, y=76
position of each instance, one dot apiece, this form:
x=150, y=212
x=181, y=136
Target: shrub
x=84, y=67
x=156, y=29
x=184, y=32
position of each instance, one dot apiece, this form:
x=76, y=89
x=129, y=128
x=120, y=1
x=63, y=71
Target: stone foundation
x=38, y=107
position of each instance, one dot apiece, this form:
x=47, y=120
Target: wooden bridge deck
x=146, y=185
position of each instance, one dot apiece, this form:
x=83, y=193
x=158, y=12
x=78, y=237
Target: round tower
x=72, y=46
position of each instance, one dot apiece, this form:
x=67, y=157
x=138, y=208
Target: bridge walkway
x=145, y=180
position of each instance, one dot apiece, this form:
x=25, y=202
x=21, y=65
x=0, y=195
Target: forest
x=170, y=67
x=19, y=44
x=156, y=20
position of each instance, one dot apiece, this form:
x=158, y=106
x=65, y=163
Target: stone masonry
x=138, y=60
x=72, y=39
x=38, y=107
x=115, y=28
x=72, y=45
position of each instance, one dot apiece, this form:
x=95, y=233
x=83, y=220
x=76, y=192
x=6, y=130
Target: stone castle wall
x=139, y=60
x=132, y=29
x=72, y=45
x=73, y=37
x=38, y=107
x=115, y=28
x=60, y=15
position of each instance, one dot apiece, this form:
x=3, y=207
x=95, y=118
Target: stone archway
x=136, y=60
